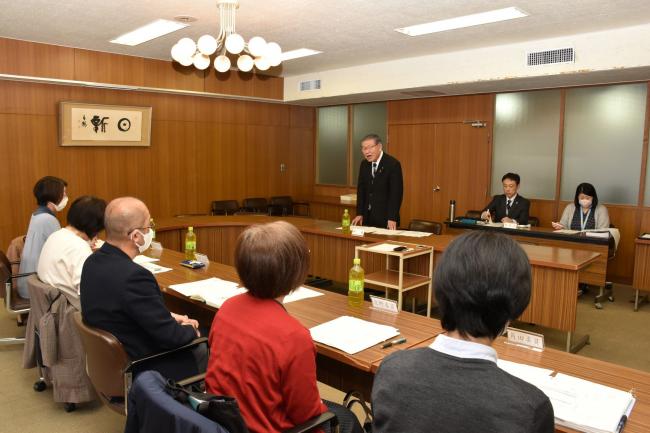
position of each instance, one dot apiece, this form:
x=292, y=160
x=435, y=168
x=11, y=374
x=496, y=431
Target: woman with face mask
x=584, y=213
x=51, y=197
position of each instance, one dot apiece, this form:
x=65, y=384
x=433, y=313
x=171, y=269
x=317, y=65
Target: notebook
x=350, y=334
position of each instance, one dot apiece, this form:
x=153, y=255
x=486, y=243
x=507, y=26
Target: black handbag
x=221, y=409
x=356, y=397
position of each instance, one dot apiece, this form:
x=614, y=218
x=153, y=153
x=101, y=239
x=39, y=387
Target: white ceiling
x=349, y=32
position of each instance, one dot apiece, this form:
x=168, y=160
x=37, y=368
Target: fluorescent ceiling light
x=148, y=32
x=464, y=21
x=300, y=52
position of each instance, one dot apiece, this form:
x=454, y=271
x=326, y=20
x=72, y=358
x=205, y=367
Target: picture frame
x=83, y=124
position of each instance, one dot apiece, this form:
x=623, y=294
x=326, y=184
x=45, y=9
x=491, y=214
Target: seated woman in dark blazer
x=259, y=354
x=584, y=213
x=455, y=385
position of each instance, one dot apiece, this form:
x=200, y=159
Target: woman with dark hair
x=259, y=354
x=584, y=213
x=51, y=197
x=455, y=385
x=66, y=250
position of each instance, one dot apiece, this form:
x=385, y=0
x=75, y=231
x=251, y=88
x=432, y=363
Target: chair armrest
x=138, y=362
x=315, y=422
x=26, y=274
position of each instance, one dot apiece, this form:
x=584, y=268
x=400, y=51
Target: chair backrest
x=255, y=204
x=475, y=214
x=426, y=226
x=224, y=207
x=106, y=361
x=5, y=273
x=281, y=205
x=533, y=221
x=15, y=252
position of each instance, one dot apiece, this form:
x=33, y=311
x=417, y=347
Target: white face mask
x=585, y=203
x=148, y=237
x=62, y=204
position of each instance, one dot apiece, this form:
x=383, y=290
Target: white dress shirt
x=463, y=348
x=62, y=259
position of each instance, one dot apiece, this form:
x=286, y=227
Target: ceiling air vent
x=549, y=57
x=309, y=85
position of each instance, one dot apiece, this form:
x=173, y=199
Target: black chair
x=473, y=214
x=607, y=291
x=148, y=393
x=225, y=207
x=255, y=205
x=426, y=226
x=281, y=206
x=533, y=221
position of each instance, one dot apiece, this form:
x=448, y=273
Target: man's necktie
x=374, y=169
x=508, y=205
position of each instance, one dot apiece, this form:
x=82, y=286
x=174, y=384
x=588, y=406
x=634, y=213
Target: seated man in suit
x=509, y=206
x=123, y=298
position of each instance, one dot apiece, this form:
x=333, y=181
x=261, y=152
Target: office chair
x=111, y=370
x=608, y=289
x=148, y=393
x=15, y=304
x=255, y=205
x=281, y=206
x=426, y=226
x=225, y=207
x=533, y=221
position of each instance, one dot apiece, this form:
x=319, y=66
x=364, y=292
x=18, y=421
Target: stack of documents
x=577, y=403
x=351, y=335
x=214, y=291
x=149, y=264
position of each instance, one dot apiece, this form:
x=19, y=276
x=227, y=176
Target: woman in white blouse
x=66, y=250
x=584, y=213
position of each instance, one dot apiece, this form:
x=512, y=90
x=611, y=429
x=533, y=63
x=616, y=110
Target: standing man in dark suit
x=380, y=186
x=509, y=206
x=121, y=297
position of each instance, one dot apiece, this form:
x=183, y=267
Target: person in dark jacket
x=455, y=385
x=123, y=298
x=509, y=206
x=380, y=186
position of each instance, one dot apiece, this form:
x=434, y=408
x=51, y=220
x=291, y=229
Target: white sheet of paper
x=414, y=234
x=301, y=293
x=383, y=248
x=387, y=232
x=155, y=269
x=140, y=259
x=524, y=372
x=214, y=291
x=567, y=231
x=350, y=334
x=366, y=229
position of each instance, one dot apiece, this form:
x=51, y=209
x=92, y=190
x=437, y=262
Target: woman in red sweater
x=259, y=354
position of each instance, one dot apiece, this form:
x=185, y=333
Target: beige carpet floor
x=618, y=335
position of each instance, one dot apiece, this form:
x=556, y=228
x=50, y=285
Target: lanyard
x=584, y=219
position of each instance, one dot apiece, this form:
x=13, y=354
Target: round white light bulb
x=177, y=53
x=201, y=61
x=257, y=46
x=262, y=63
x=235, y=43
x=207, y=44
x=275, y=60
x=273, y=49
x=222, y=63
x=245, y=63
x=186, y=61
x=187, y=47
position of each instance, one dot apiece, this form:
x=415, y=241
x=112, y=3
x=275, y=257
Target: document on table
x=299, y=294
x=351, y=335
x=366, y=229
x=577, y=403
x=414, y=234
x=567, y=231
x=140, y=259
x=383, y=248
x=154, y=268
x=214, y=291
x=387, y=232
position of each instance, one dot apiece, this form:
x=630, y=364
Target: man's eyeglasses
x=138, y=228
x=364, y=148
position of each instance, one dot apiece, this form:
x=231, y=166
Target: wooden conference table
x=555, y=271
x=345, y=372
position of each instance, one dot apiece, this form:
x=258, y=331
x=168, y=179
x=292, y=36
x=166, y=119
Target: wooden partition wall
x=202, y=149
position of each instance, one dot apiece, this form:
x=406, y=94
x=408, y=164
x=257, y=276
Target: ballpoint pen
x=393, y=343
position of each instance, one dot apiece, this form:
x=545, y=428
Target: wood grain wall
x=202, y=149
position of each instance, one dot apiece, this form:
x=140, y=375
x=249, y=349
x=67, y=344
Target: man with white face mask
x=51, y=197
x=123, y=298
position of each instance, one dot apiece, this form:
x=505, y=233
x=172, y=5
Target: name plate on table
x=203, y=258
x=525, y=338
x=384, y=304
x=509, y=225
x=357, y=232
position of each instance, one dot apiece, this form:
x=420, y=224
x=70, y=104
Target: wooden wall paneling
x=171, y=75
x=544, y=210
x=267, y=86
x=231, y=82
x=268, y=147
x=220, y=111
x=170, y=239
x=302, y=117
x=99, y=67
x=208, y=241
x=560, y=157
x=300, y=165
x=260, y=113
x=621, y=268
x=36, y=60
x=441, y=109
x=229, y=237
x=413, y=146
x=31, y=98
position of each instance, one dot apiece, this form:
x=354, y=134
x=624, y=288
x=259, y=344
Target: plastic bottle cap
x=190, y=228
x=356, y=261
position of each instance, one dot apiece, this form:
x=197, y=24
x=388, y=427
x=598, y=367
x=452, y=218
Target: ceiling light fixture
x=300, y=52
x=464, y=21
x=148, y=32
x=256, y=53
